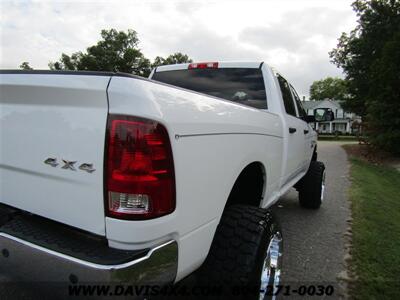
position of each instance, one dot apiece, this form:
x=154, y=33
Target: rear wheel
x=312, y=186
x=246, y=253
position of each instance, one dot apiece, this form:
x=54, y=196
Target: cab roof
x=221, y=64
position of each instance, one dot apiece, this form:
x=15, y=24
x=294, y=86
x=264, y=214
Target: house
x=344, y=122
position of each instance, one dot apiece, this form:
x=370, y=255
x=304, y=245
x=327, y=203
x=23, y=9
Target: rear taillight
x=205, y=65
x=140, y=179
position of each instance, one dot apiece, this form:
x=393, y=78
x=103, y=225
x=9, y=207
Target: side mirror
x=323, y=115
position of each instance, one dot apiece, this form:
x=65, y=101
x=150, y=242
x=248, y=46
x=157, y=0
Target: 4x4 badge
x=51, y=161
x=87, y=167
x=70, y=165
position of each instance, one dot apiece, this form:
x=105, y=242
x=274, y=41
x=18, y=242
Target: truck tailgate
x=52, y=134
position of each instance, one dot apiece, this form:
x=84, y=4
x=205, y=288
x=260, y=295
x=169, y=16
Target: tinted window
x=241, y=85
x=287, y=96
x=300, y=109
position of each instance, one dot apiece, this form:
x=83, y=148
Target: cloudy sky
x=294, y=36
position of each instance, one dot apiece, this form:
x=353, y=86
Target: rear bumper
x=24, y=261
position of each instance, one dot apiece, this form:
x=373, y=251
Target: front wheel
x=246, y=254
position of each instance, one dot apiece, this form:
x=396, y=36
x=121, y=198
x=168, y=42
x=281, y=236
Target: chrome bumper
x=24, y=261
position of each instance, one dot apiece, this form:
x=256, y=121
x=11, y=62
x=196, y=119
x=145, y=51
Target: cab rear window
x=240, y=85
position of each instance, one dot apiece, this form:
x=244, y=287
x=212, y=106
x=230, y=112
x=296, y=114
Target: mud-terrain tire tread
x=310, y=186
x=239, y=247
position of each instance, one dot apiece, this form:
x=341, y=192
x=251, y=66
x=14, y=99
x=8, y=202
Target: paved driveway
x=313, y=239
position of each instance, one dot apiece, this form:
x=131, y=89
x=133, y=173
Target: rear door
x=295, y=140
x=52, y=133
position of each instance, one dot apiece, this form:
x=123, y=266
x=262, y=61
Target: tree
x=370, y=58
x=25, y=66
x=176, y=58
x=117, y=51
x=331, y=88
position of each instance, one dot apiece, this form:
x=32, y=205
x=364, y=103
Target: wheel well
x=249, y=186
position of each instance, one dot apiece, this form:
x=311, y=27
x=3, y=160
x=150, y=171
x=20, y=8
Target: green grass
x=375, y=200
x=337, y=138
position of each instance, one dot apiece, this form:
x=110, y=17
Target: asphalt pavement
x=314, y=243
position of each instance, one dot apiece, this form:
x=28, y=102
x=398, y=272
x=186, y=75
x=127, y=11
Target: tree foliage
x=176, y=58
x=329, y=88
x=370, y=58
x=117, y=51
x=25, y=66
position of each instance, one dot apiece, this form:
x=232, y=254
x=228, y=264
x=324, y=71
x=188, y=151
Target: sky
x=293, y=36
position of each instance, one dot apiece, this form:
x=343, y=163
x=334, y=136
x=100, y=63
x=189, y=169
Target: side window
x=287, y=96
x=300, y=109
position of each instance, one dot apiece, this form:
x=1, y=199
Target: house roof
x=320, y=103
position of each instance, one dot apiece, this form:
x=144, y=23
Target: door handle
x=292, y=130
x=306, y=131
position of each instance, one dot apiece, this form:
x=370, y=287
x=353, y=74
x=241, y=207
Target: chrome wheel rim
x=323, y=186
x=271, y=272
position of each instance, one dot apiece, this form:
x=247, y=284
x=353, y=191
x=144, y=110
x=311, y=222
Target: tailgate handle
x=292, y=130
x=306, y=131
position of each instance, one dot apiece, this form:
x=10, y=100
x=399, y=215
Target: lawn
x=375, y=201
x=322, y=137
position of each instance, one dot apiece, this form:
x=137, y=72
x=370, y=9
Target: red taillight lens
x=205, y=65
x=140, y=170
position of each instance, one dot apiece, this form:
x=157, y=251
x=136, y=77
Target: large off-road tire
x=312, y=186
x=245, y=255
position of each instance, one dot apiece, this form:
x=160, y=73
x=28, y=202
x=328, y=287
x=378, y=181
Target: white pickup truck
x=109, y=177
